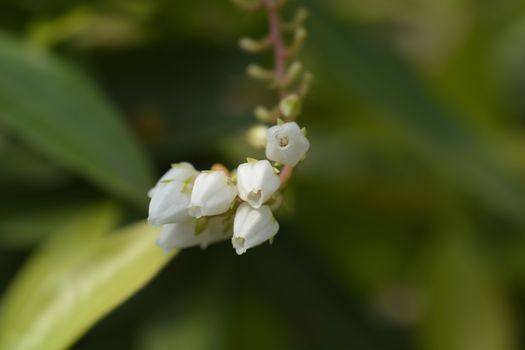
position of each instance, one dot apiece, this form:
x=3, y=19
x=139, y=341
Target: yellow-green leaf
x=76, y=278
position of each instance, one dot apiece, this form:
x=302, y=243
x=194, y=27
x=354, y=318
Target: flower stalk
x=198, y=208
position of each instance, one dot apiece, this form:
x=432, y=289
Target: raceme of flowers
x=198, y=208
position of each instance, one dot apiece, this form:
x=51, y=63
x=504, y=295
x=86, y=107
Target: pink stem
x=285, y=174
x=279, y=49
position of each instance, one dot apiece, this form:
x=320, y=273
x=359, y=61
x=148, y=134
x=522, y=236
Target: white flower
x=213, y=193
x=256, y=182
x=170, y=197
x=252, y=227
x=194, y=232
x=286, y=144
x=177, y=172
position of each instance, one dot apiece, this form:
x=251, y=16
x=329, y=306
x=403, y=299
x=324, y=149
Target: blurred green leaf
x=26, y=220
x=365, y=69
x=61, y=113
x=20, y=166
x=77, y=277
x=465, y=307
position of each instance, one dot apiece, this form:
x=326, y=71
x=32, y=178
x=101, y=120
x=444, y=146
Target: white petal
x=179, y=235
x=168, y=204
x=256, y=182
x=185, y=235
x=252, y=227
x=178, y=172
x=213, y=194
x=286, y=144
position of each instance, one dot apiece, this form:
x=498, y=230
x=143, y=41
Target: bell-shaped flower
x=177, y=172
x=257, y=181
x=171, y=195
x=286, y=144
x=213, y=194
x=169, y=203
x=195, y=232
x=252, y=227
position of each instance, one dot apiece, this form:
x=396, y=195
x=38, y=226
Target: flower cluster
x=200, y=208
x=197, y=208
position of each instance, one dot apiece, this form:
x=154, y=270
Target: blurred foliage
x=69, y=283
x=403, y=229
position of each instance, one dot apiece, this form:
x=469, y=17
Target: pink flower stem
x=280, y=57
x=279, y=49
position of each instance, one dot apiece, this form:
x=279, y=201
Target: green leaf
x=19, y=167
x=48, y=211
x=59, y=111
x=78, y=276
x=367, y=71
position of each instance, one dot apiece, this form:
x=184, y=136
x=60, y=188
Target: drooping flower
x=252, y=227
x=257, y=181
x=213, y=193
x=170, y=197
x=286, y=144
x=195, y=232
x=177, y=172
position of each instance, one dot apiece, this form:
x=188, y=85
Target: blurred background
x=403, y=229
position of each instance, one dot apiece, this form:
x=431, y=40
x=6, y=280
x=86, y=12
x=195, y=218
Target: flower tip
x=195, y=211
x=239, y=245
x=154, y=222
x=151, y=192
x=254, y=198
x=162, y=244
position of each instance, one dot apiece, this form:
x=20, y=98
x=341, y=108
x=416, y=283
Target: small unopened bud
x=293, y=72
x=254, y=46
x=252, y=227
x=291, y=106
x=258, y=72
x=220, y=167
x=213, y=193
x=256, y=136
x=263, y=114
x=298, y=20
x=300, y=35
x=306, y=82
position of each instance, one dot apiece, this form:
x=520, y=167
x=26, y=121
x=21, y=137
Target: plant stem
x=280, y=57
x=279, y=49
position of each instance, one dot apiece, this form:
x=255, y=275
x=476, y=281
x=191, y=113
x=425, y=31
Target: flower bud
x=213, y=193
x=178, y=172
x=189, y=233
x=256, y=182
x=254, y=46
x=294, y=71
x=286, y=144
x=256, y=136
x=171, y=195
x=264, y=115
x=290, y=106
x=252, y=227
